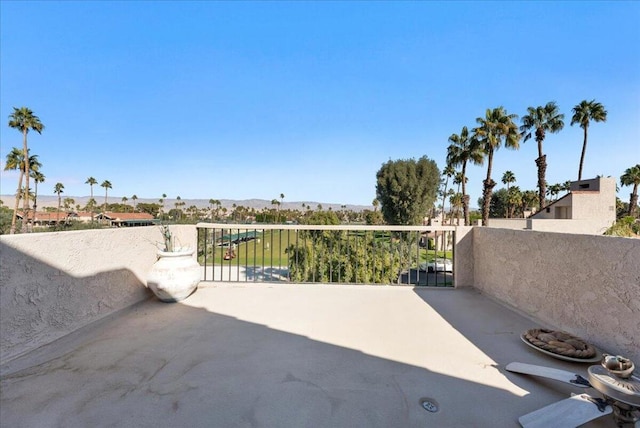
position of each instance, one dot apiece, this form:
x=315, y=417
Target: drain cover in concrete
x=429, y=404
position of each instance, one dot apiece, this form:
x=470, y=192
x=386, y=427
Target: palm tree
x=447, y=172
x=584, y=113
x=161, y=200
x=631, y=177
x=463, y=149
x=507, y=178
x=514, y=199
x=38, y=177
x=529, y=198
x=539, y=121
x=554, y=191
x=24, y=120
x=124, y=202
x=91, y=181
x=58, y=189
x=496, y=126
x=134, y=198
x=107, y=185
x=15, y=160
x=68, y=203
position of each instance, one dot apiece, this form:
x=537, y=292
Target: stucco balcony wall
x=587, y=285
x=54, y=283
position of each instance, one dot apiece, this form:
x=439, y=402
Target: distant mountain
x=258, y=204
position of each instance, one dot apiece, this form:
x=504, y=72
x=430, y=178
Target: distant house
x=126, y=219
x=84, y=217
x=590, y=206
x=42, y=218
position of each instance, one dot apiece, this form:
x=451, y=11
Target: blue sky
x=238, y=100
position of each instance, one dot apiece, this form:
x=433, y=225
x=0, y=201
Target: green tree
x=507, y=178
x=15, y=160
x=514, y=201
x=134, y=198
x=464, y=149
x=499, y=205
x=583, y=114
x=91, y=181
x=528, y=200
x=631, y=177
x=107, y=185
x=406, y=189
x=150, y=208
x=497, y=126
x=554, y=191
x=24, y=121
x=447, y=172
x=538, y=121
x=38, y=177
x=161, y=200
x=373, y=217
x=68, y=203
x=58, y=189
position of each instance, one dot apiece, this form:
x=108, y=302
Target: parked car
x=438, y=265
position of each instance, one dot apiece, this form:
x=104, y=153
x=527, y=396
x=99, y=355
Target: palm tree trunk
x=35, y=201
x=25, y=205
x=15, y=209
x=465, y=198
x=444, y=196
x=508, y=202
x=90, y=200
x=584, y=150
x=633, y=202
x=486, y=193
x=542, y=182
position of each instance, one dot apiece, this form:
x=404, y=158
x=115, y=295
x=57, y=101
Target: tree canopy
x=407, y=189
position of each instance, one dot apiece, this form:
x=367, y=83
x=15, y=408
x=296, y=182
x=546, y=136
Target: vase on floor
x=175, y=275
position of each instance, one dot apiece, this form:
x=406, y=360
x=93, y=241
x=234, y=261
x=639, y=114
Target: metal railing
x=345, y=254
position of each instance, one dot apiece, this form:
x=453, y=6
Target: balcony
x=84, y=344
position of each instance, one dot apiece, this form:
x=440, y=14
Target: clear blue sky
x=254, y=99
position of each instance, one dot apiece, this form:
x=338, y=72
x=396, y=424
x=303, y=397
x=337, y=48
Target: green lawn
x=267, y=250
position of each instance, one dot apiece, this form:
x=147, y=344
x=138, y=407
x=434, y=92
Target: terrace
x=84, y=343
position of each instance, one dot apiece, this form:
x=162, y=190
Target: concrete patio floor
x=281, y=355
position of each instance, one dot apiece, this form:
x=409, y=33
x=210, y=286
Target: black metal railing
x=345, y=254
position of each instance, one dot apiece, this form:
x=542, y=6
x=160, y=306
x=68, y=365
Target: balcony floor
x=283, y=355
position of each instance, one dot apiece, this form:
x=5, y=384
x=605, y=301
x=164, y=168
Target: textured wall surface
x=53, y=283
x=586, y=285
x=580, y=227
x=463, y=257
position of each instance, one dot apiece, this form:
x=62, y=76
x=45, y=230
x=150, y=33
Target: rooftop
x=236, y=355
x=83, y=343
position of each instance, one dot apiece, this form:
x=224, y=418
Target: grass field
x=269, y=250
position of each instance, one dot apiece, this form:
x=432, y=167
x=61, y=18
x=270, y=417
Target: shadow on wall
x=40, y=303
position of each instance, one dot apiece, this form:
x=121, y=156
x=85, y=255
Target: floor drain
x=429, y=404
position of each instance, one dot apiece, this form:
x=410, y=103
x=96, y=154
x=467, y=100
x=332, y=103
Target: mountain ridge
x=52, y=201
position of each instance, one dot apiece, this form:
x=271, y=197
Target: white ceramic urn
x=175, y=275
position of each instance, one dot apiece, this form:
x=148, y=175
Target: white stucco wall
x=54, y=283
x=463, y=257
x=508, y=223
x=586, y=285
x=581, y=227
